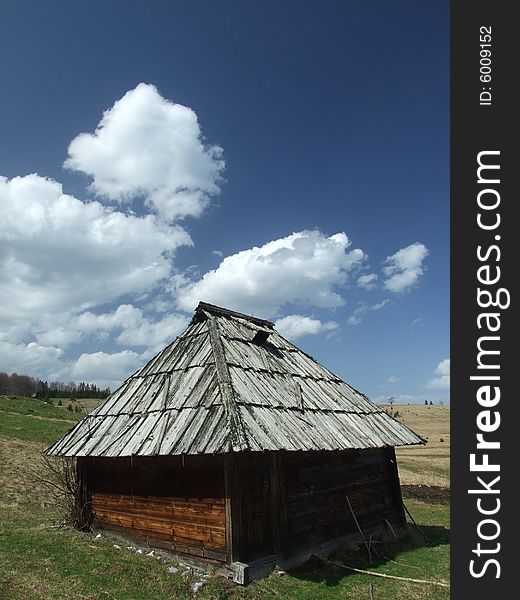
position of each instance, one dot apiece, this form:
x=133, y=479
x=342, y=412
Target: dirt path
x=427, y=493
x=13, y=412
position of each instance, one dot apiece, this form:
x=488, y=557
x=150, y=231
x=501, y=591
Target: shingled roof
x=231, y=382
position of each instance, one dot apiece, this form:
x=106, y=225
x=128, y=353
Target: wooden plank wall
x=168, y=502
x=316, y=484
x=285, y=503
x=252, y=507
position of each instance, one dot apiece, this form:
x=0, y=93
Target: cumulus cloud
x=404, y=268
x=130, y=324
x=441, y=381
x=302, y=268
x=106, y=369
x=368, y=281
x=73, y=272
x=29, y=359
x=295, y=326
x=59, y=256
x=50, y=363
x=65, y=263
x=153, y=334
x=146, y=146
x=359, y=313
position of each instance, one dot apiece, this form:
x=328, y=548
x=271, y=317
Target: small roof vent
x=261, y=337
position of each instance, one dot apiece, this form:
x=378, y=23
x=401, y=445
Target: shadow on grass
x=320, y=571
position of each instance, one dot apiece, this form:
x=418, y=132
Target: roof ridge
x=213, y=309
x=238, y=440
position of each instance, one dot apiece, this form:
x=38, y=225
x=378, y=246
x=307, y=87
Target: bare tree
x=61, y=477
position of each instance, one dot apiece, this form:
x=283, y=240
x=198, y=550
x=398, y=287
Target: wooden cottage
x=234, y=446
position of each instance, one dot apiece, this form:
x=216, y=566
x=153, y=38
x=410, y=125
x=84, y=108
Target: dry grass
x=89, y=404
x=17, y=485
x=429, y=464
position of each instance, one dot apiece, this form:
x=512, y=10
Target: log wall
x=288, y=502
x=316, y=486
x=165, y=502
x=247, y=506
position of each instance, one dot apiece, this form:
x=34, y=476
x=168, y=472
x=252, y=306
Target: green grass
x=37, y=561
x=33, y=420
x=38, y=408
x=41, y=561
x=24, y=427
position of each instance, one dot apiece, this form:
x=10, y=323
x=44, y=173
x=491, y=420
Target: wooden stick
x=371, y=543
x=391, y=528
x=360, y=530
x=417, y=526
x=371, y=591
x=428, y=581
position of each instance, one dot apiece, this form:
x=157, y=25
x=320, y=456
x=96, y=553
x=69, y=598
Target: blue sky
x=285, y=158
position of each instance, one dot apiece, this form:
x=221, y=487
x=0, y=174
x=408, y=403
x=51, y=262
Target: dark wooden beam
x=233, y=507
x=276, y=507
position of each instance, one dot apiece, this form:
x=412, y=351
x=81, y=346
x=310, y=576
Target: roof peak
x=205, y=307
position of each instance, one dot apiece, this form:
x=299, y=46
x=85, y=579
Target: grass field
x=41, y=561
x=429, y=464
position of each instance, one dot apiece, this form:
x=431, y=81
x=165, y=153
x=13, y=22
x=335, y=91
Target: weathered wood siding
x=166, y=502
x=282, y=503
x=253, y=512
x=288, y=502
x=316, y=486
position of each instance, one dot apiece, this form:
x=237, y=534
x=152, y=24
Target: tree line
x=24, y=385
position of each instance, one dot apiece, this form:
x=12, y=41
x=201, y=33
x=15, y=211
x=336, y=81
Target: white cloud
x=106, y=369
x=135, y=329
x=359, y=313
x=73, y=272
x=295, y=326
x=29, y=359
x=442, y=379
x=368, y=281
x=302, y=268
x=148, y=146
x=379, y=305
x=393, y=379
x=61, y=336
x=64, y=263
x=49, y=363
x=151, y=334
x=60, y=256
x=125, y=316
x=356, y=318
x=404, y=268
